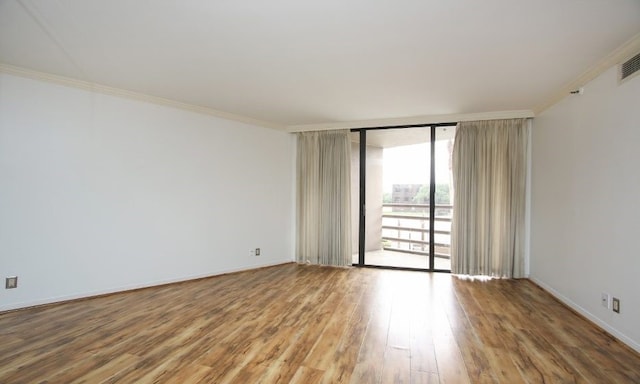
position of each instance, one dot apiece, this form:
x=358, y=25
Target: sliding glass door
x=396, y=174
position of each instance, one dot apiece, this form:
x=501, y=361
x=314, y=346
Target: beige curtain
x=324, y=198
x=489, y=175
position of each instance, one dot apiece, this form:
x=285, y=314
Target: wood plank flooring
x=309, y=324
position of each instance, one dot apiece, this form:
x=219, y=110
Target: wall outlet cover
x=11, y=282
x=605, y=300
x=616, y=305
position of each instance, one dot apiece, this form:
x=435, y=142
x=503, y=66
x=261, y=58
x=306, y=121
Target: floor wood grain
x=309, y=324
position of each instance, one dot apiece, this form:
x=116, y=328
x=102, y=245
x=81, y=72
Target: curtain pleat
x=489, y=175
x=324, y=198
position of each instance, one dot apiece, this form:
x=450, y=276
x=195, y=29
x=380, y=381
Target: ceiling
x=305, y=63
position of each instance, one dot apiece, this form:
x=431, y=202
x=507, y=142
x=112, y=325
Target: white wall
x=373, y=197
x=100, y=193
x=585, y=228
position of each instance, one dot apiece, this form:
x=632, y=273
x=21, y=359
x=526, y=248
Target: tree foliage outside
x=442, y=195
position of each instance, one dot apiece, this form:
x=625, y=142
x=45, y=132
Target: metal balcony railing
x=405, y=228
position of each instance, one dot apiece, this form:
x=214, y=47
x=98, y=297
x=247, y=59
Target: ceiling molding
x=622, y=53
x=111, y=91
x=625, y=51
x=432, y=119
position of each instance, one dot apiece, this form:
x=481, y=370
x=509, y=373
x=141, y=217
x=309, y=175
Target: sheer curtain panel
x=324, y=198
x=489, y=175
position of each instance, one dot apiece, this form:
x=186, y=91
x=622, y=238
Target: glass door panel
x=397, y=173
x=444, y=137
x=397, y=198
x=355, y=198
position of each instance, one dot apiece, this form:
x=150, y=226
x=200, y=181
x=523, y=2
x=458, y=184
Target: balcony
x=405, y=237
x=405, y=171
x=405, y=228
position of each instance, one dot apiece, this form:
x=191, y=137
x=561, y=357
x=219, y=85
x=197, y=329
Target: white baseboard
x=600, y=323
x=84, y=295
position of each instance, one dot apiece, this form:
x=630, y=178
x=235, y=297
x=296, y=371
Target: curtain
x=489, y=176
x=324, y=198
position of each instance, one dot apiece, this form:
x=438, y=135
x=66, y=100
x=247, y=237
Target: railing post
x=402, y=226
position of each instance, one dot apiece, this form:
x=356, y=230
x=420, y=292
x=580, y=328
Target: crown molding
x=428, y=119
x=117, y=92
x=622, y=53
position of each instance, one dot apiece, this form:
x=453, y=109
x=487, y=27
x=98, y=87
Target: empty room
x=319, y=191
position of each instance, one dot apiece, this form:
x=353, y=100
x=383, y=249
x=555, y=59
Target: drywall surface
x=586, y=203
x=100, y=193
x=373, y=199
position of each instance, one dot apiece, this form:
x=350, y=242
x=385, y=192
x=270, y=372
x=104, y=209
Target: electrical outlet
x=616, y=305
x=257, y=251
x=11, y=282
x=605, y=300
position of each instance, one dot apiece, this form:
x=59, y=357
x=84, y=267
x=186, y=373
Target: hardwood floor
x=308, y=324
